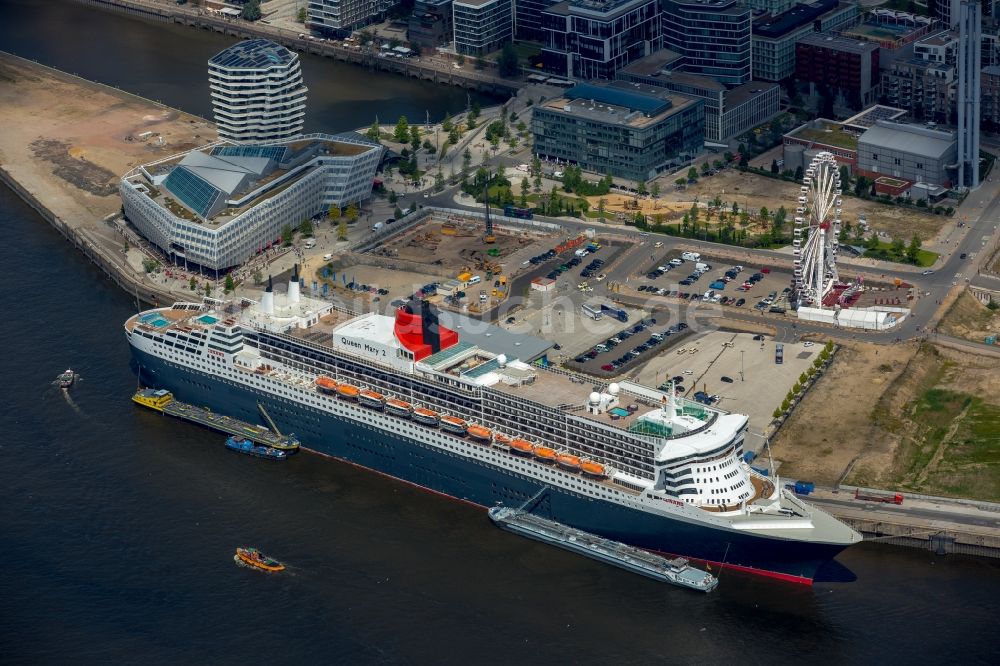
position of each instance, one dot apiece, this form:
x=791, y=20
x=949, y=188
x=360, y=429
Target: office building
x=990, y=108
x=729, y=112
x=969, y=92
x=528, y=19
x=907, y=152
x=772, y=7
x=839, y=66
x=218, y=206
x=593, y=39
x=774, y=37
x=430, y=23
x=482, y=26
x=338, y=18
x=257, y=92
x=624, y=129
x=712, y=36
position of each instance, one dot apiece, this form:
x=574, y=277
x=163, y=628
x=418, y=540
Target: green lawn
x=925, y=258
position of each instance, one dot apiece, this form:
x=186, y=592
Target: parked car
x=607, y=367
x=728, y=380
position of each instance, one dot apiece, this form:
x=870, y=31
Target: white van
x=475, y=279
x=376, y=226
x=702, y=267
x=310, y=243
x=690, y=256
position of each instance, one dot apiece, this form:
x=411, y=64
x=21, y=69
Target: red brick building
x=839, y=65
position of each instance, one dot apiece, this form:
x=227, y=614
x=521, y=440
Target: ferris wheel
x=817, y=228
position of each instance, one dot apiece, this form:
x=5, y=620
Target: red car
x=765, y=271
x=607, y=367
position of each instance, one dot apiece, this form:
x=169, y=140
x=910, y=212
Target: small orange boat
x=371, y=399
x=479, y=432
x=567, y=461
x=398, y=407
x=258, y=560
x=426, y=416
x=544, y=453
x=326, y=384
x=454, y=424
x=348, y=391
x=501, y=440
x=522, y=446
x=593, y=469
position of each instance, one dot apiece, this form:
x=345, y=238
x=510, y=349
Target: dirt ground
x=969, y=319
x=833, y=426
x=753, y=191
x=69, y=141
x=426, y=244
x=906, y=417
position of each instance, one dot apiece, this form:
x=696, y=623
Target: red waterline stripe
x=788, y=578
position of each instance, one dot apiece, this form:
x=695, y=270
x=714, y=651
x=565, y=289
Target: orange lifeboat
x=326, y=384
x=371, y=399
x=567, y=461
x=348, y=391
x=426, y=416
x=479, y=432
x=593, y=469
x=544, y=453
x=398, y=408
x=454, y=424
x=522, y=446
x=501, y=440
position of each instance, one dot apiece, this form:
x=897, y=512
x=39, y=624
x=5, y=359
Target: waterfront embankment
x=64, y=146
x=424, y=69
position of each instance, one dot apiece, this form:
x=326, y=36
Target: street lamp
x=741, y=365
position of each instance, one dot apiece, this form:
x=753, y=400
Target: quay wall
x=197, y=18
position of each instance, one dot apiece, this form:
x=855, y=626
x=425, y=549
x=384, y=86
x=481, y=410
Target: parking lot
x=722, y=282
x=758, y=383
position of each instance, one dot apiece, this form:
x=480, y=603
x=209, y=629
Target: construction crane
x=489, y=238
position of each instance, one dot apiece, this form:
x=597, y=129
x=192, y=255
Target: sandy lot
x=969, y=319
x=70, y=141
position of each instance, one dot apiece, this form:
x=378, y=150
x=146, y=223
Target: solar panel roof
x=194, y=192
x=254, y=54
x=276, y=153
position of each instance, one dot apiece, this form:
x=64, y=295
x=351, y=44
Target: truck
x=519, y=213
x=801, y=487
x=615, y=312
x=779, y=353
x=896, y=498
x=594, y=313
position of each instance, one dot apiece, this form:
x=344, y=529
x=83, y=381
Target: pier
x=163, y=401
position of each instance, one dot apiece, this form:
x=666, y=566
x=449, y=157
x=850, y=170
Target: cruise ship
x=405, y=396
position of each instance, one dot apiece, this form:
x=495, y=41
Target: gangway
x=267, y=417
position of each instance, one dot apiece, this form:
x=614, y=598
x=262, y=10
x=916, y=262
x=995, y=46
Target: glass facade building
x=482, y=26
x=712, y=36
x=625, y=129
x=593, y=39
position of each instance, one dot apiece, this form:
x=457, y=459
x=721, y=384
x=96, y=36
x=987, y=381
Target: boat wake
x=72, y=404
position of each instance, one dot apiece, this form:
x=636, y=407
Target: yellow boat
x=153, y=398
x=258, y=560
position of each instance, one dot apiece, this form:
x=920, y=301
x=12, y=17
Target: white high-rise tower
x=970, y=37
x=257, y=92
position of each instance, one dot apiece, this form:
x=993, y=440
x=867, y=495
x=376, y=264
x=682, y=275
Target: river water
x=117, y=529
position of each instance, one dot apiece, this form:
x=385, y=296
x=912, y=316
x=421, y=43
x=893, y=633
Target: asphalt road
x=890, y=511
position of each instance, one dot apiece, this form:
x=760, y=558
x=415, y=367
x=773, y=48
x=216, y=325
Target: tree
x=777, y=413
x=374, y=132
x=208, y=288
x=861, y=186
x=525, y=186
x=415, y=138
x=394, y=43
x=230, y=284
x=654, y=189
x=402, y=132
x=913, y=249
x=705, y=168
x=306, y=227
x=774, y=167
x=366, y=37
x=845, y=176
x=640, y=187
x=251, y=11
x=744, y=163
x=897, y=247
x=301, y=15
x=342, y=229
x=692, y=174
x=601, y=204
x=799, y=173
x=584, y=205
x=447, y=124
x=508, y=63
x=150, y=265
x=352, y=212
x=258, y=278
x=286, y=235
x=193, y=283
x=438, y=181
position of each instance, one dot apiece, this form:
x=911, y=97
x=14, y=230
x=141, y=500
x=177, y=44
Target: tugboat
x=246, y=446
x=66, y=379
x=252, y=557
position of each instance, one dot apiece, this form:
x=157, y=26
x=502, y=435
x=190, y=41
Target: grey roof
x=494, y=339
x=253, y=54
x=837, y=43
x=908, y=139
x=227, y=174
